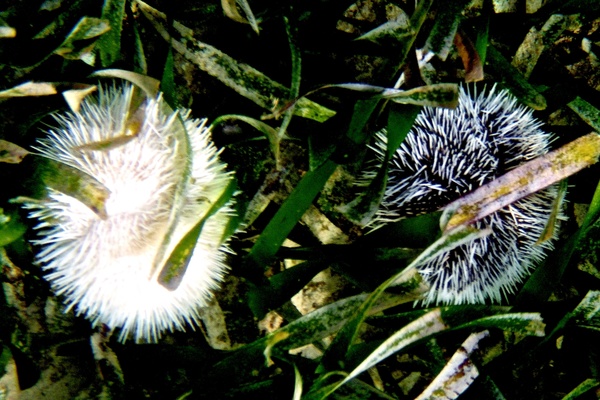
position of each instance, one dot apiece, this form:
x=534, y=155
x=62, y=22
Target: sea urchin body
x=449, y=153
x=105, y=266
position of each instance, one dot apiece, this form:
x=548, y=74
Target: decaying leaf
x=230, y=7
x=11, y=153
x=458, y=374
x=74, y=97
x=30, y=89
x=522, y=181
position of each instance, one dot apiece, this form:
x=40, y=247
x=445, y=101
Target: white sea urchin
x=103, y=266
x=449, y=153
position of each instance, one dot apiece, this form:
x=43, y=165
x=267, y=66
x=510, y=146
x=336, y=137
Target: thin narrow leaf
x=306, y=329
x=483, y=34
x=530, y=324
x=582, y=388
x=438, y=95
x=269, y=132
x=513, y=80
x=288, y=215
x=587, y=312
x=182, y=152
x=458, y=374
x=363, y=208
x=139, y=56
x=296, y=59
x=523, y=180
x=427, y=325
x=167, y=83
x=109, y=45
x=242, y=78
x=175, y=266
x=587, y=112
x=11, y=153
x=550, y=228
x=400, y=121
x=297, y=384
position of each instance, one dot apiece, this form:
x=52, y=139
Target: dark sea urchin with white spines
x=104, y=266
x=449, y=153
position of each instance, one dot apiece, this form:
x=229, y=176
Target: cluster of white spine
x=451, y=152
x=103, y=267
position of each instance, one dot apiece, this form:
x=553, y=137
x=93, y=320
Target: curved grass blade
x=75, y=183
x=148, y=84
x=408, y=279
x=174, y=268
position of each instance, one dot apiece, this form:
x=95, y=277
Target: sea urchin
x=105, y=266
x=449, y=153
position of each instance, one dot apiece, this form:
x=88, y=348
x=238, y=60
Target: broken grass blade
x=30, y=89
x=230, y=8
x=587, y=112
x=458, y=374
x=74, y=97
x=522, y=181
x=11, y=153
